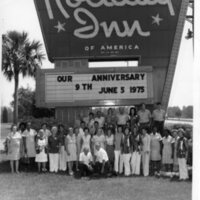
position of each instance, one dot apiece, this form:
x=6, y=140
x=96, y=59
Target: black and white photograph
x=100, y=99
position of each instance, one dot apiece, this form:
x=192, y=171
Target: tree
x=27, y=107
x=20, y=56
x=187, y=112
x=178, y=112
x=173, y=112
x=25, y=102
x=4, y=115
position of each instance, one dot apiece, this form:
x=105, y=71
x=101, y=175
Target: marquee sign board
x=70, y=87
x=108, y=29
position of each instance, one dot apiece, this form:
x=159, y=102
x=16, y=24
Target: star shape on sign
x=156, y=19
x=60, y=27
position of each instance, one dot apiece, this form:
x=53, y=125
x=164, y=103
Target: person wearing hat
x=101, y=165
x=86, y=161
x=182, y=148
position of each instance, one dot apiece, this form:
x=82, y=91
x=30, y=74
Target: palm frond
x=20, y=55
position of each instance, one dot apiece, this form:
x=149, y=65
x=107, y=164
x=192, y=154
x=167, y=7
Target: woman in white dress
x=14, y=143
x=99, y=138
x=41, y=154
x=86, y=140
x=71, y=149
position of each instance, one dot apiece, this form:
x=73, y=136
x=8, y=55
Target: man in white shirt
x=86, y=161
x=122, y=118
x=101, y=166
x=159, y=118
x=144, y=116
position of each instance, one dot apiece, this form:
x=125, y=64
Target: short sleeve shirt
x=100, y=120
x=158, y=115
x=122, y=119
x=30, y=141
x=101, y=155
x=144, y=116
x=110, y=140
x=86, y=159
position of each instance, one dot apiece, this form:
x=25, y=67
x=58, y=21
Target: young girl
x=145, y=151
x=70, y=145
x=155, y=151
x=118, y=165
x=41, y=155
x=136, y=155
x=167, y=152
x=110, y=148
x=126, y=151
x=182, y=148
x=14, y=143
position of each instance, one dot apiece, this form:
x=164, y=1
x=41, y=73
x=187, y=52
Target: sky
x=21, y=15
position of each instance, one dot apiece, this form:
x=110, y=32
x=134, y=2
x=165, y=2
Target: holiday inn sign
x=107, y=29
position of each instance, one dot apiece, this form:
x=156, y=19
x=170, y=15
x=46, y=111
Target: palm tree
x=20, y=56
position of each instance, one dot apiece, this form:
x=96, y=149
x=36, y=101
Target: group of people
x=122, y=144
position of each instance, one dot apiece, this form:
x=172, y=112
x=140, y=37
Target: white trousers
x=118, y=165
x=53, y=162
x=145, y=163
x=126, y=162
x=183, y=171
x=62, y=159
x=135, y=163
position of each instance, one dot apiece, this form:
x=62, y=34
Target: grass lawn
x=33, y=186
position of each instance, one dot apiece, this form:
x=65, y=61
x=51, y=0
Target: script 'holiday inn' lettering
x=92, y=25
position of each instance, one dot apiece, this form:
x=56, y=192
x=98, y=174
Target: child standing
x=41, y=155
